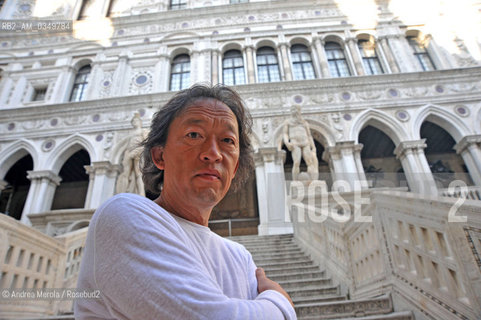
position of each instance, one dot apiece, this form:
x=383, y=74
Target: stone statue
x=130, y=180
x=298, y=140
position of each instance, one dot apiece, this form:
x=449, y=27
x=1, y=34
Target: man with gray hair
x=158, y=259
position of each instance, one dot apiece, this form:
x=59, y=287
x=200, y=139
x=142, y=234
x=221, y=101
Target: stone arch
x=78, y=64
x=14, y=153
x=381, y=121
x=230, y=46
x=366, y=36
x=322, y=130
x=334, y=38
x=67, y=149
x=178, y=51
x=439, y=116
x=300, y=40
x=266, y=43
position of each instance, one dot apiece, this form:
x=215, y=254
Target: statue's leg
x=296, y=159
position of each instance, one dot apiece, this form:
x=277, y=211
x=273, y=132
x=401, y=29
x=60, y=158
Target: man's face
x=201, y=155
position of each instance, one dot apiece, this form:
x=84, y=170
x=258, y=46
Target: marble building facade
x=392, y=96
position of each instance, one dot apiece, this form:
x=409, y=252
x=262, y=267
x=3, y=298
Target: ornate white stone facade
x=130, y=48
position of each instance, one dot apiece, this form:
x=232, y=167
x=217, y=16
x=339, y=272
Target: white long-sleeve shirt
x=150, y=264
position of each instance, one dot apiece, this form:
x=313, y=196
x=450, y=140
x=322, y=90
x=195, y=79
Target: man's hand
x=264, y=283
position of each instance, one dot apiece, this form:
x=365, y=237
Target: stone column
x=319, y=46
x=119, y=76
x=382, y=58
x=469, y=147
x=389, y=55
x=61, y=92
x=194, y=66
x=215, y=66
x=283, y=49
x=251, y=75
x=360, y=169
x=419, y=176
x=346, y=161
x=102, y=176
x=92, y=86
x=6, y=86
x=271, y=192
x=40, y=195
x=161, y=71
x=356, y=56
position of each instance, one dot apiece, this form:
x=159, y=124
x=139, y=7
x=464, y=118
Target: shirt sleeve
x=144, y=270
x=275, y=297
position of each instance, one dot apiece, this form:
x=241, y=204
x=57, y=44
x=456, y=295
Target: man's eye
x=193, y=135
x=229, y=140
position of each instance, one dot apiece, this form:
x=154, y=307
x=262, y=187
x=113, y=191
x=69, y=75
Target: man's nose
x=211, y=151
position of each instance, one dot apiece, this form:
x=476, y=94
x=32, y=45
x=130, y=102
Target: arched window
x=233, y=68
x=178, y=4
x=302, y=63
x=419, y=51
x=180, y=74
x=267, y=65
x=337, y=61
x=369, y=57
x=80, y=85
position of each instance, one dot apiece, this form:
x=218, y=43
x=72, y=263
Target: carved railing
x=425, y=250
x=33, y=260
x=470, y=193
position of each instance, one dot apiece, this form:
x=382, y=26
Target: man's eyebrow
x=194, y=121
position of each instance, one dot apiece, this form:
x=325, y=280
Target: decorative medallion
x=393, y=93
x=347, y=117
x=402, y=115
x=11, y=126
x=99, y=137
x=461, y=110
x=54, y=122
x=439, y=89
x=346, y=96
x=48, y=145
x=141, y=80
x=96, y=118
x=298, y=99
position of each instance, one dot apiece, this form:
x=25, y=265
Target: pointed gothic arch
x=441, y=117
x=380, y=120
x=66, y=149
x=15, y=152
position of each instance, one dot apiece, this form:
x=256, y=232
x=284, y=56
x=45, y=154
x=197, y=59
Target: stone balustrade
x=423, y=250
x=33, y=260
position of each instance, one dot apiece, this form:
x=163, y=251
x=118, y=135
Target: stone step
x=268, y=260
x=293, y=275
x=346, y=309
x=260, y=238
x=305, y=283
x=277, y=253
x=402, y=315
x=271, y=248
x=317, y=299
x=288, y=264
x=288, y=269
x=328, y=290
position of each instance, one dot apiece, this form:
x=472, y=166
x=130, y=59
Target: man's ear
x=157, y=154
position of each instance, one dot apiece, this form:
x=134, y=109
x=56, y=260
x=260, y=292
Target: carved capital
x=48, y=175
x=409, y=146
x=466, y=142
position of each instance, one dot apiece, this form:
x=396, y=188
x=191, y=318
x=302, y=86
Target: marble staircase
x=314, y=293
